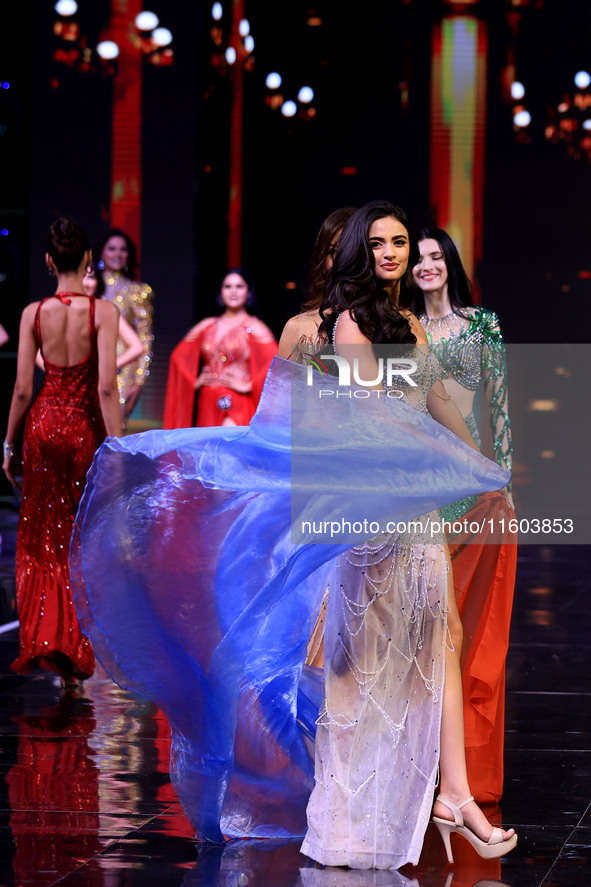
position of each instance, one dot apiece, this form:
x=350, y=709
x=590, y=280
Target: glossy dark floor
x=85, y=797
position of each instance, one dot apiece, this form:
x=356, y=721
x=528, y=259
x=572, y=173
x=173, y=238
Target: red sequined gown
x=63, y=429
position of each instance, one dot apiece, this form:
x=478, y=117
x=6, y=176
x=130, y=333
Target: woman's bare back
x=65, y=330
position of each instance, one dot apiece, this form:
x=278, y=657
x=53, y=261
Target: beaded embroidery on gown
x=216, y=595
x=63, y=429
x=474, y=355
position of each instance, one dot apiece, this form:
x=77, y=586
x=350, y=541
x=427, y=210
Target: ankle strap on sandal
x=455, y=808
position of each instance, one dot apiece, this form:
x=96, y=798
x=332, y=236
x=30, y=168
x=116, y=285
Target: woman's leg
x=454, y=778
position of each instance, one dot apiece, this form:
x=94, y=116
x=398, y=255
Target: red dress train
x=484, y=566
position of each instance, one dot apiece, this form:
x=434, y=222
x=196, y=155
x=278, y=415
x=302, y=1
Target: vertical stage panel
x=234, y=250
x=458, y=117
x=126, y=150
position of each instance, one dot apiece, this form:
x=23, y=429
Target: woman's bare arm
x=133, y=343
x=107, y=325
x=23, y=387
x=289, y=338
x=444, y=411
x=303, y=328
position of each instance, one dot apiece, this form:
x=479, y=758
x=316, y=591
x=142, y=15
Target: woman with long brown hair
x=300, y=334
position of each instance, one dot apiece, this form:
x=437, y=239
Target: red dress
x=241, y=352
x=53, y=791
x=484, y=565
x=63, y=429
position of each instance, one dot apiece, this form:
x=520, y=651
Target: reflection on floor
x=85, y=797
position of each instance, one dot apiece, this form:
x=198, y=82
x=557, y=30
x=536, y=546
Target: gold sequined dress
x=135, y=302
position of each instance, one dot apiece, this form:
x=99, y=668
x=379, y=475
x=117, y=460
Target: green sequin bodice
x=474, y=355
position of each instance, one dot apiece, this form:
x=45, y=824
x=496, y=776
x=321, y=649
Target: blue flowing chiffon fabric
x=199, y=583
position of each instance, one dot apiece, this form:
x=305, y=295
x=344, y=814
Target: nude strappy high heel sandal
x=493, y=848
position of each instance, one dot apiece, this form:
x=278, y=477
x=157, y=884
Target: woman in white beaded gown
x=391, y=717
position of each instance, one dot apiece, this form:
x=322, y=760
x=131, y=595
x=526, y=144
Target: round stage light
x=244, y=28
x=146, y=21
x=162, y=37
x=249, y=43
x=517, y=90
x=289, y=109
x=230, y=55
x=217, y=12
x=522, y=118
x=306, y=94
x=108, y=50
x=273, y=80
x=66, y=7
x=582, y=79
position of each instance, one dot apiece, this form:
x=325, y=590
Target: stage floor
x=85, y=797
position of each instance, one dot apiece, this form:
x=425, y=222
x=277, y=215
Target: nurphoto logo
x=388, y=369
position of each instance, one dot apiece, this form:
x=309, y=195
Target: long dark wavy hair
x=67, y=243
x=353, y=286
x=330, y=227
x=97, y=250
x=459, y=288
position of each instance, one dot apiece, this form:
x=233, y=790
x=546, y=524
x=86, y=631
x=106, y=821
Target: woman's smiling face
x=430, y=273
x=389, y=242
